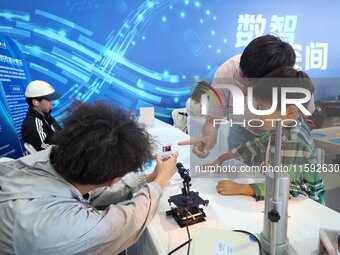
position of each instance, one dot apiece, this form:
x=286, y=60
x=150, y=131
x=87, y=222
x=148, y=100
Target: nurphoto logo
x=238, y=104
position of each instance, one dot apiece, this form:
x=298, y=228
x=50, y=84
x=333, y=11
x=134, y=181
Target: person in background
x=194, y=102
x=83, y=195
x=298, y=148
x=39, y=126
x=193, y=107
x=262, y=55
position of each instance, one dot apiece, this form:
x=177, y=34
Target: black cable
x=179, y=247
x=187, y=227
x=252, y=235
x=186, y=224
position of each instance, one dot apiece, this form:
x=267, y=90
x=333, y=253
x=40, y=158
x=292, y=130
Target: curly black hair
x=99, y=143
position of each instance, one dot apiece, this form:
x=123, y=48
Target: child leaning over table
x=298, y=148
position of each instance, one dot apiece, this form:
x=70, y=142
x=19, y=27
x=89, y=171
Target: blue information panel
x=13, y=79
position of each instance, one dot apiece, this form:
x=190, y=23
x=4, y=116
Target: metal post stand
x=274, y=236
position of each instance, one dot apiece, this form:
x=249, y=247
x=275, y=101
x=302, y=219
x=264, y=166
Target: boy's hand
x=165, y=169
x=202, y=145
x=226, y=187
x=151, y=177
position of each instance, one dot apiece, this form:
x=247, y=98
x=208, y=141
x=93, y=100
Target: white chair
x=29, y=148
x=179, y=117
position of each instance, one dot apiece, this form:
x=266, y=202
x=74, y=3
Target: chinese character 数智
x=284, y=26
x=248, y=28
x=316, y=56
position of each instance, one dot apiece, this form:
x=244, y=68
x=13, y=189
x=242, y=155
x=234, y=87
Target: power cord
x=186, y=224
x=253, y=236
x=187, y=227
x=179, y=247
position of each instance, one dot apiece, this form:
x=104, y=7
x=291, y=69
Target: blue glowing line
x=73, y=71
x=162, y=112
x=92, y=44
x=38, y=68
x=47, y=72
x=117, y=97
x=64, y=21
x=82, y=57
x=25, y=25
x=82, y=63
x=41, y=54
x=125, y=74
x=12, y=30
x=164, y=91
x=94, y=89
x=57, y=77
x=151, y=4
x=141, y=69
x=67, y=56
x=61, y=53
x=10, y=16
x=73, y=74
x=164, y=115
x=171, y=91
x=72, y=44
x=136, y=91
x=81, y=70
x=74, y=77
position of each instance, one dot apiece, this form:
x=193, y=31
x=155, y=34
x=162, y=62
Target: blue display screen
x=13, y=80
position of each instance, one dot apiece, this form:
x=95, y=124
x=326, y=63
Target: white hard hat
x=43, y=89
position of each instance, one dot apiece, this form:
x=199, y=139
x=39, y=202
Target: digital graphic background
x=139, y=53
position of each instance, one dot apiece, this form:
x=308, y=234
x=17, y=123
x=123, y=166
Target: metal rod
x=278, y=141
x=273, y=231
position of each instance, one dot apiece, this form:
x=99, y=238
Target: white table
x=326, y=139
x=163, y=234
